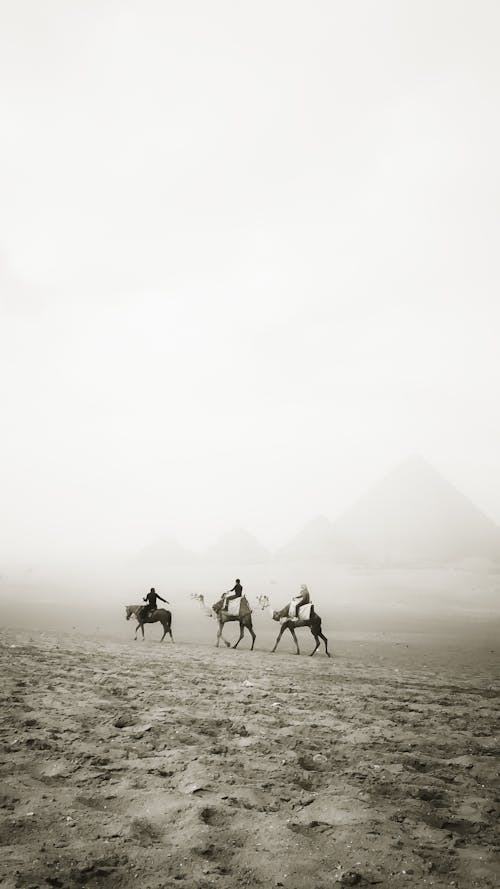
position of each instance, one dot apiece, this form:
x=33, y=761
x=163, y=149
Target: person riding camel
x=302, y=598
x=151, y=599
x=237, y=590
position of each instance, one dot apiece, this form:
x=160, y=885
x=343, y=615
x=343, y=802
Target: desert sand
x=138, y=764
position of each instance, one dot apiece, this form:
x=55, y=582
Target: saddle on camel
x=298, y=613
x=300, y=607
x=234, y=607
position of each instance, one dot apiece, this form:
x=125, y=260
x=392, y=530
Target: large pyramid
x=414, y=516
x=320, y=541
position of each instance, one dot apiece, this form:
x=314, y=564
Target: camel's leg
x=164, y=632
x=226, y=643
x=220, y=636
x=171, y=637
x=283, y=628
x=317, y=644
x=294, y=638
x=250, y=630
x=242, y=632
x=325, y=640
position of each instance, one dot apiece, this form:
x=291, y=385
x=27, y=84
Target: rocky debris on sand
x=312, y=763
x=192, y=788
x=351, y=878
x=124, y=720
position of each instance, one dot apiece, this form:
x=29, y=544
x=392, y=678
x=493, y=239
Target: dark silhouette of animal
x=144, y=616
x=244, y=619
x=313, y=622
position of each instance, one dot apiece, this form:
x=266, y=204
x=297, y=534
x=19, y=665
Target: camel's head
x=129, y=611
x=275, y=614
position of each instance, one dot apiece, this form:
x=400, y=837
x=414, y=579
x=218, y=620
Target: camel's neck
x=204, y=607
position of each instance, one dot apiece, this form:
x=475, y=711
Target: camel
x=244, y=618
x=313, y=622
x=152, y=617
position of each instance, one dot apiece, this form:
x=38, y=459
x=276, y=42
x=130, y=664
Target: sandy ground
x=140, y=764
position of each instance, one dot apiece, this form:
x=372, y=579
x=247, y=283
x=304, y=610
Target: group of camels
x=244, y=618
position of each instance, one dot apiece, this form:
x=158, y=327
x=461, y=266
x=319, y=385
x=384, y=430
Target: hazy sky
x=248, y=262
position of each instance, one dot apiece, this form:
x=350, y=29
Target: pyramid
x=413, y=516
x=237, y=547
x=319, y=541
x=164, y=552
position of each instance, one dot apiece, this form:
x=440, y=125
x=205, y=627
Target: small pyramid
x=164, y=552
x=237, y=547
x=319, y=540
x=413, y=515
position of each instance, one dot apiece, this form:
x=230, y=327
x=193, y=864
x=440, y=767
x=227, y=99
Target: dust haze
x=246, y=267
x=249, y=316
x=249, y=301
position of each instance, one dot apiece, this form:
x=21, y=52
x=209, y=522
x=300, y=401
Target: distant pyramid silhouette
x=319, y=540
x=237, y=547
x=413, y=515
x=164, y=552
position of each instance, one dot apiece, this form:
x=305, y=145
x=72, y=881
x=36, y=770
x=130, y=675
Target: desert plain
x=129, y=764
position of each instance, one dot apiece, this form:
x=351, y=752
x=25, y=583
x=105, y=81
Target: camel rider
x=302, y=598
x=237, y=590
x=151, y=599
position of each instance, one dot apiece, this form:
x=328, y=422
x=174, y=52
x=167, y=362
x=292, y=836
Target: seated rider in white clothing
x=302, y=598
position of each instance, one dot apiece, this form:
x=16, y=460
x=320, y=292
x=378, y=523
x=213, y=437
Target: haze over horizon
x=248, y=264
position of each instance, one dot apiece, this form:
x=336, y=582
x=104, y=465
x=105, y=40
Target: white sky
x=248, y=261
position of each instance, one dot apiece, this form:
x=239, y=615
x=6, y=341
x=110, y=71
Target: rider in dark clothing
x=237, y=590
x=151, y=598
